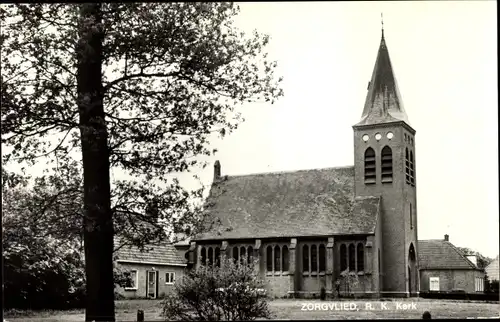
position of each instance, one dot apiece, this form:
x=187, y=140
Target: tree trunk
x=98, y=224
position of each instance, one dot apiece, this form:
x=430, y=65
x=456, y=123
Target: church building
x=309, y=228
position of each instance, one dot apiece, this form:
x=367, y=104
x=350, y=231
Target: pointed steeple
x=383, y=102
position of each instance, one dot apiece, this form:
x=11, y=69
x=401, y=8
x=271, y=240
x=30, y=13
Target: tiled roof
x=383, y=102
x=164, y=254
x=441, y=254
x=285, y=204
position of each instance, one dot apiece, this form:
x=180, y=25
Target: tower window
x=412, y=170
x=411, y=218
x=407, y=166
x=370, y=170
x=386, y=164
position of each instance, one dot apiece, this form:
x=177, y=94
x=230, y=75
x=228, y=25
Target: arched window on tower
x=285, y=259
x=352, y=258
x=314, y=258
x=277, y=258
x=322, y=258
x=407, y=166
x=412, y=170
x=343, y=257
x=269, y=259
x=305, y=258
x=370, y=171
x=386, y=164
x=361, y=257
x=203, y=256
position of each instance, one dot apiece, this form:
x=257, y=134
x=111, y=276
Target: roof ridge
x=287, y=171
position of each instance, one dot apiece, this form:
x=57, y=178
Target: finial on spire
x=382, y=20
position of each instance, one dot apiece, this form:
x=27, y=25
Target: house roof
x=383, y=102
x=441, y=254
x=161, y=254
x=314, y=202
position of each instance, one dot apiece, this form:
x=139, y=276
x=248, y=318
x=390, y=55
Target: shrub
x=232, y=292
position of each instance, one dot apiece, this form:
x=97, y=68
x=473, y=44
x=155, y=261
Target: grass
x=296, y=309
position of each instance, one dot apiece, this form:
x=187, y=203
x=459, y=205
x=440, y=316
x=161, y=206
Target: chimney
x=216, y=170
x=446, y=237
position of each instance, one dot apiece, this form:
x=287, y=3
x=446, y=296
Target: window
x=314, y=258
x=269, y=258
x=322, y=258
x=132, y=280
x=370, y=172
x=277, y=258
x=352, y=258
x=343, y=257
x=250, y=254
x=203, y=256
x=243, y=255
x=411, y=218
x=217, y=256
x=361, y=257
x=235, y=254
x=407, y=166
x=479, y=284
x=169, y=278
x=386, y=164
x=433, y=283
x=285, y=259
x=305, y=258
x=210, y=256
x=412, y=170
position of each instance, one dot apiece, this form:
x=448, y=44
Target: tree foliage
x=132, y=89
x=482, y=261
x=229, y=292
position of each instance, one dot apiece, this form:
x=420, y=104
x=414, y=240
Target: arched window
x=314, y=258
x=361, y=258
x=305, y=258
x=277, y=258
x=269, y=258
x=210, y=256
x=217, y=256
x=285, y=259
x=235, y=254
x=203, y=256
x=370, y=172
x=386, y=164
x=411, y=217
x=343, y=257
x=412, y=170
x=352, y=258
x=322, y=258
x=250, y=254
x=243, y=254
x=407, y=166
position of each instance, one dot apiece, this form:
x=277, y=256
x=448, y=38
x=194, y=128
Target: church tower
x=384, y=162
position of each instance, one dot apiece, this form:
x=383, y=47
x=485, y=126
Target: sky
x=444, y=56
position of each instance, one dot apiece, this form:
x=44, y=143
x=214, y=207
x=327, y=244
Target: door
x=152, y=284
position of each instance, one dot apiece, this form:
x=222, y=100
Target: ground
x=298, y=309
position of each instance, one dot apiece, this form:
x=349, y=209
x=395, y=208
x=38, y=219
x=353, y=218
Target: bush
x=232, y=292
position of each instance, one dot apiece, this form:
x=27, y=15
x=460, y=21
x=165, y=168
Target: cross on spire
x=382, y=20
